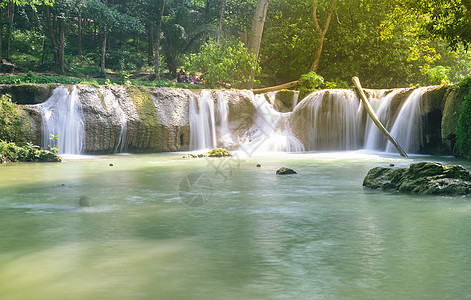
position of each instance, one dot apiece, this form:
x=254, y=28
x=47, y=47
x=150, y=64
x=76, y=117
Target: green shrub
x=438, y=75
x=309, y=83
x=226, y=62
x=10, y=152
x=11, y=123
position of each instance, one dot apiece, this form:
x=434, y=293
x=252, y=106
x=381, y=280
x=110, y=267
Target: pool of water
x=163, y=227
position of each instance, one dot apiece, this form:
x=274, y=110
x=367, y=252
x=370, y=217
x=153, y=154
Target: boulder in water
x=421, y=178
x=285, y=171
x=218, y=152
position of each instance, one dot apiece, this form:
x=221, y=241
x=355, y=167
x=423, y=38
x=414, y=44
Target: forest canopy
x=386, y=43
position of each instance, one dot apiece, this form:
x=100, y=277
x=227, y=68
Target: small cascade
x=62, y=116
x=222, y=123
x=271, y=131
x=330, y=120
x=375, y=139
x=202, y=122
x=407, y=127
x=295, y=99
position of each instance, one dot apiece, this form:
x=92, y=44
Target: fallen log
x=374, y=117
x=284, y=86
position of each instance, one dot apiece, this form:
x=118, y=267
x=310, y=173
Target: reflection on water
x=315, y=235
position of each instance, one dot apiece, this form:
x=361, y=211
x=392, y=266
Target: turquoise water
x=315, y=235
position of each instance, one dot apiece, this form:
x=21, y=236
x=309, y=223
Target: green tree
x=109, y=19
x=224, y=63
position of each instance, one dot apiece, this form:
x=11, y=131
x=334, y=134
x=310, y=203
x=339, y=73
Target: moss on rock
x=218, y=152
x=148, y=124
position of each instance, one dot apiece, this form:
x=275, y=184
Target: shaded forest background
x=386, y=43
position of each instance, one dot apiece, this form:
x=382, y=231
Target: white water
x=333, y=120
x=375, y=139
x=62, y=116
x=270, y=132
x=407, y=127
x=202, y=122
x=209, y=126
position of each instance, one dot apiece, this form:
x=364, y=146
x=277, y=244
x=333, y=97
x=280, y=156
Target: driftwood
x=284, y=86
x=374, y=117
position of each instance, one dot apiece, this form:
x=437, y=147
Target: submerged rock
x=84, y=201
x=285, y=171
x=422, y=178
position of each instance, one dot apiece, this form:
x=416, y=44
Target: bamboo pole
x=374, y=117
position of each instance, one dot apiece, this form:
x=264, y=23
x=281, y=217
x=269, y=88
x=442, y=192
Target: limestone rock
x=421, y=178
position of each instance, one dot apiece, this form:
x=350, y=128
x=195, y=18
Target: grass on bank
x=31, y=77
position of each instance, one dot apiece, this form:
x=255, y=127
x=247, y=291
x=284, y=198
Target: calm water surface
x=315, y=235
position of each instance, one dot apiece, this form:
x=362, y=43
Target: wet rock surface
x=285, y=171
x=427, y=178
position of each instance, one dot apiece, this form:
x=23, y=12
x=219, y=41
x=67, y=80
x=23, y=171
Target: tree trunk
x=80, y=54
x=321, y=31
x=157, y=40
x=150, y=42
x=62, y=47
x=103, y=52
x=375, y=118
x=11, y=15
x=283, y=86
x=221, y=19
x=257, y=26
x=50, y=33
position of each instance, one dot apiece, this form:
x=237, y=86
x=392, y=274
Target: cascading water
x=330, y=120
x=375, y=139
x=223, y=131
x=62, y=117
x=407, y=127
x=271, y=131
x=295, y=99
x=202, y=122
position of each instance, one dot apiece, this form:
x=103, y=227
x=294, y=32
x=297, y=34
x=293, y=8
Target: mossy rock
x=427, y=178
x=453, y=101
x=28, y=93
x=284, y=100
x=218, y=152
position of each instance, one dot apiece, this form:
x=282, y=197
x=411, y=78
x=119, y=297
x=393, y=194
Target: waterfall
x=209, y=126
x=62, y=116
x=295, y=99
x=407, y=127
x=331, y=120
x=271, y=131
x=375, y=139
x=202, y=122
x=222, y=123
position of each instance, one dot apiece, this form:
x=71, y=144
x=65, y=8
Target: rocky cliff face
x=138, y=119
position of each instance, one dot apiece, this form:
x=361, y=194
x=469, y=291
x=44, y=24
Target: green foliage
x=463, y=130
x=10, y=152
x=224, y=63
x=438, y=75
x=43, y=79
x=308, y=83
x=11, y=127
